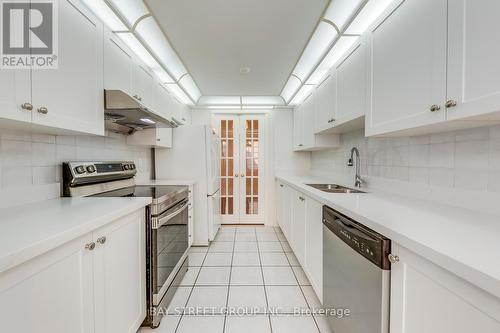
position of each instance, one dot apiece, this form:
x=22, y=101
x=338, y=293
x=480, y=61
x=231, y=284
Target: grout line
x=265, y=287
x=229, y=283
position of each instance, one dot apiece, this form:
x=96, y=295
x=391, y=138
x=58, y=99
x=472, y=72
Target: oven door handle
x=157, y=222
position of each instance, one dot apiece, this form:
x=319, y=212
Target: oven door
x=170, y=245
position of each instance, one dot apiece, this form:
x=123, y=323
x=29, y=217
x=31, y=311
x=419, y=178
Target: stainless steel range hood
x=125, y=114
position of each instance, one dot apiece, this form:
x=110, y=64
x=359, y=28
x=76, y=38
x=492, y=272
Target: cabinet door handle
x=90, y=246
x=281, y=185
x=393, y=258
x=27, y=106
x=300, y=144
x=302, y=199
x=450, y=103
x=43, y=110
x=101, y=240
x=435, y=108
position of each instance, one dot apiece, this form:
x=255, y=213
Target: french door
x=241, y=172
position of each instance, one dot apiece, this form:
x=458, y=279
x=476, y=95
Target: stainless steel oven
x=167, y=240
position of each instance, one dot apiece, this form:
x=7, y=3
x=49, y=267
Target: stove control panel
x=87, y=172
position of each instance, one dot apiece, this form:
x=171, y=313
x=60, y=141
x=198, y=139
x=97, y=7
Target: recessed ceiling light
x=245, y=70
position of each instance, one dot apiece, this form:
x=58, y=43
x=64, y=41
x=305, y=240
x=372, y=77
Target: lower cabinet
x=300, y=219
x=427, y=298
x=95, y=283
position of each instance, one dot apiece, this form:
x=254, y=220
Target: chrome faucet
x=357, y=180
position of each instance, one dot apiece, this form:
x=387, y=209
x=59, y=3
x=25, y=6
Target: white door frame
x=240, y=177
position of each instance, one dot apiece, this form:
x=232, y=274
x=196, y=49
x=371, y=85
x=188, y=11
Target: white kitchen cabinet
x=154, y=137
x=52, y=293
x=15, y=90
x=120, y=275
x=191, y=216
x=163, y=102
x=351, y=90
x=326, y=103
x=287, y=212
x=314, y=245
x=142, y=85
x=473, y=59
x=118, y=62
x=88, y=285
x=428, y=298
x=280, y=195
x=71, y=96
x=304, y=137
x=298, y=243
x=407, y=72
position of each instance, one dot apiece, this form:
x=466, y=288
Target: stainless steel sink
x=334, y=188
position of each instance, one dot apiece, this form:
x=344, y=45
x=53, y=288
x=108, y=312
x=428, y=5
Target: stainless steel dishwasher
x=356, y=275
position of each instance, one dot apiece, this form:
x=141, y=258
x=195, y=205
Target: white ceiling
x=215, y=38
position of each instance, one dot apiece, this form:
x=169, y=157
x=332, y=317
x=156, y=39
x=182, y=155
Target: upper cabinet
x=326, y=103
x=473, y=59
x=407, y=76
x=424, y=77
x=68, y=99
x=117, y=64
x=142, y=85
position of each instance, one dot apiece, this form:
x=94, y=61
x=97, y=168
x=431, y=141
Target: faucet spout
x=358, y=181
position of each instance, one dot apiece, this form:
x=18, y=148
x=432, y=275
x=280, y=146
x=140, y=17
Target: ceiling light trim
x=330, y=22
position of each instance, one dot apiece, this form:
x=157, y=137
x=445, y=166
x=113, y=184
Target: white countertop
x=187, y=182
x=462, y=241
x=31, y=230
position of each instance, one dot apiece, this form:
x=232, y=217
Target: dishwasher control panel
x=360, y=238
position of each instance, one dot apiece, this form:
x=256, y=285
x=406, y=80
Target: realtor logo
x=29, y=34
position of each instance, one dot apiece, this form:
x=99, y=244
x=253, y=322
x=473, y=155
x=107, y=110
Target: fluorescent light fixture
x=303, y=93
x=162, y=75
x=340, y=11
x=190, y=87
x=130, y=10
x=219, y=100
x=149, y=31
x=179, y=93
x=105, y=14
x=321, y=40
x=135, y=45
x=339, y=50
x=262, y=100
x=257, y=107
x=148, y=121
x=370, y=12
x=291, y=87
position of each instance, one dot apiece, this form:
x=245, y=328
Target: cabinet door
x=473, y=58
x=287, y=213
x=73, y=93
x=280, y=194
x=120, y=275
x=162, y=101
x=143, y=85
x=51, y=293
x=351, y=86
x=326, y=103
x=117, y=64
x=314, y=245
x=297, y=128
x=15, y=90
x=308, y=111
x=299, y=226
x=420, y=289
x=408, y=67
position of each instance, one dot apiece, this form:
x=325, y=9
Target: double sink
x=334, y=188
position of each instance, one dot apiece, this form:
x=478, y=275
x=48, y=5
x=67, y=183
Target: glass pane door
x=228, y=169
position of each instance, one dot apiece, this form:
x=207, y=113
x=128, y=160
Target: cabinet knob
x=43, y=110
x=300, y=144
x=90, y=246
x=27, y=106
x=331, y=120
x=451, y=103
x=435, y=108
x=281, y=185
x=101, y=240
x=393, y=258
x=302, y=199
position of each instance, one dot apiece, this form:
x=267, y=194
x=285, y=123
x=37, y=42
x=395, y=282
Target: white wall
x=30, y=159
x=466, y=159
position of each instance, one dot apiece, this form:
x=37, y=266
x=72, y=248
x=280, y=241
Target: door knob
x=43, y=110
x=236, y=175
x=450, y=103
x=242, y=175
x=90, y=246
x=435, y=108
x=27, y=106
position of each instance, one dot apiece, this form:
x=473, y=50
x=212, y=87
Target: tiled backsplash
x=33, y=159
x=466, y=159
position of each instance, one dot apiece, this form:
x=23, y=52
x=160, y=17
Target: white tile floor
x=249, y=268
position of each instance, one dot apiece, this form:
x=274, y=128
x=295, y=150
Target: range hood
x=124, y=114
